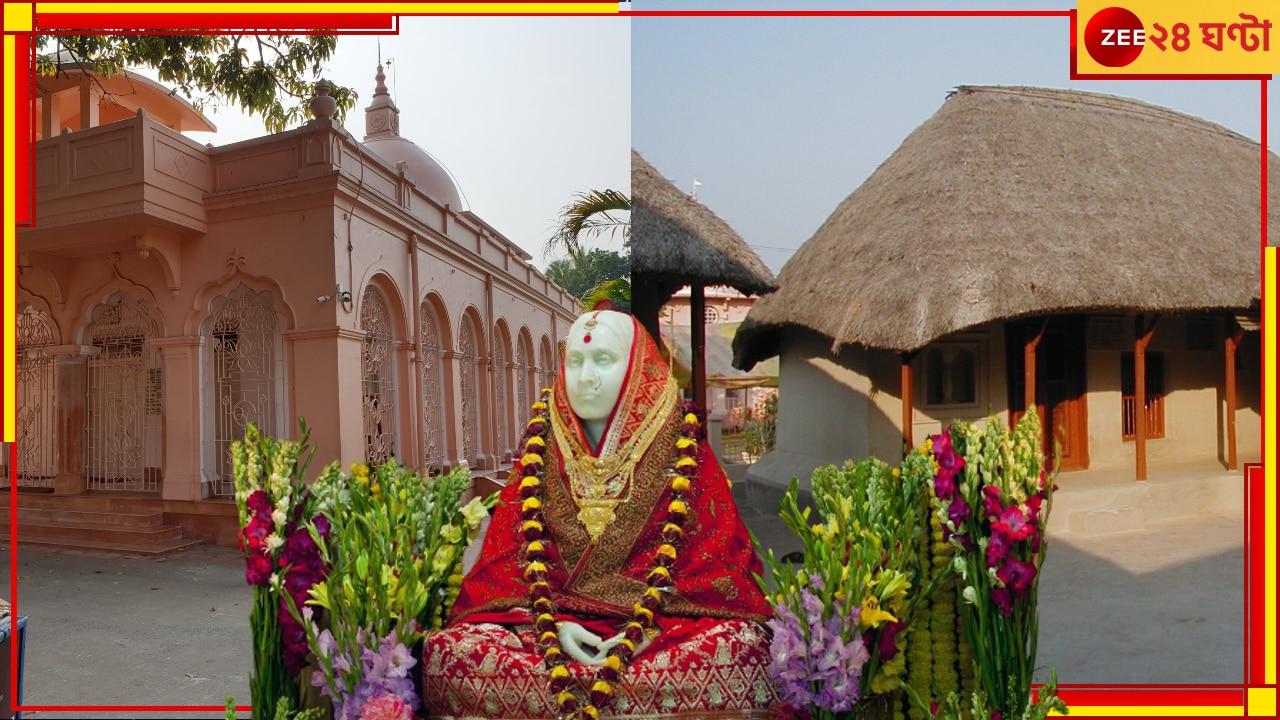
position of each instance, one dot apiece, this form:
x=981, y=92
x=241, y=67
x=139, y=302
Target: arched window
x=522, y=384
x=499, y=391
x=547, y=370
x=468, y=370
x=124, y=409
x=431, y=352
x=378, y=378
x=36, y=401
x=245, y=363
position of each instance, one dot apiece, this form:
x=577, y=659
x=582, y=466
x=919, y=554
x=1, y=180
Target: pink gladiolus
x=1013, y=524
x=1017, y=575
x=991, y=501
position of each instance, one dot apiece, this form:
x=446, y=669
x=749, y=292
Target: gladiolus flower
x=1001, y=597
x=1013, y=524
x=991, y=501
x=958, y=511
x=1017, y=575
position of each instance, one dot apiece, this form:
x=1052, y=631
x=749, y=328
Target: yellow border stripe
x=487, y=8
x=17, y=17
x=1262, y=702
x=1269, y=464
x=1156, y=711
x=11, y=68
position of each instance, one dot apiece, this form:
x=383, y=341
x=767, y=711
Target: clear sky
x=781, y=118
x=523, y=111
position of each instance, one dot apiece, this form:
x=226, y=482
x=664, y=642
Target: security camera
x=323, y=299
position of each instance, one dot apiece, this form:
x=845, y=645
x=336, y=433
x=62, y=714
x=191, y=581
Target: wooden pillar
x=698, y=338
x=1231, y=345
x=908, y=403
x=1144, y=333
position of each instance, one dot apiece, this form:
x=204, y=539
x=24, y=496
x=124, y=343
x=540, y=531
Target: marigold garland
x=602, y=691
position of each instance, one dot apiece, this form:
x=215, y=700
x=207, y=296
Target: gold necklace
x=538, y=554
x=600, y=484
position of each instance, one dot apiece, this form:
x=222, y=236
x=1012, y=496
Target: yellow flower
x=684, y=443
x=531, y=459
x=820, y=530
x=539, y=406
x=897, y=473
x=474, y=513
x=536, y=440
x=872, y=616
x=691, y=418
x=680, y=483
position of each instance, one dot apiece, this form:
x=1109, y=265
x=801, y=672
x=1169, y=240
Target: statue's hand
x=583, y=645
x=586, y=647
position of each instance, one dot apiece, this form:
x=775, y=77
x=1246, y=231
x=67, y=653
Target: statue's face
x=595, y=370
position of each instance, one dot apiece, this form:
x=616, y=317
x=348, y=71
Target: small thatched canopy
x=676, y=241
x=1014, y=202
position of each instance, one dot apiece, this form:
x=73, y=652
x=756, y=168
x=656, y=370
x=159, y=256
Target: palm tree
x=592, y=212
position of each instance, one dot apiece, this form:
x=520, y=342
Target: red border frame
x=1115, y=696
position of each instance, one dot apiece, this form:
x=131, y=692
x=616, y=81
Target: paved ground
x=1161, y=605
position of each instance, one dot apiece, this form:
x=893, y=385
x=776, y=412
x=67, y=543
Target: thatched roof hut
x=1013, y=202
x=677, y=241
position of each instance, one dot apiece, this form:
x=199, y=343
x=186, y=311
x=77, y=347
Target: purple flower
x=1013, y=524
x=1017, y=575
x=944, y=486
x=991, y=501
x=888, y=640
x=824, y=659
x=1000, y=596
x=997, y=549
x=958, y=511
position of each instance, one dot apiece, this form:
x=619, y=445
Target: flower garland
x=532, y=467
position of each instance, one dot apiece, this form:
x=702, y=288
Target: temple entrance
x=36, y=402
x=125, y=403
x=1060, y=376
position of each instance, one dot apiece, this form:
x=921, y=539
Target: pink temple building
x=172, y=292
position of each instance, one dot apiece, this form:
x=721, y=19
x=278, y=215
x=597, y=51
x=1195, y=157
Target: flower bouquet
x=992, y=498
x=277, y=510
x=395, y=547
x=838, y=619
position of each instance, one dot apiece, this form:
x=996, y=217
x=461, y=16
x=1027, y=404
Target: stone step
x=85, y=503
x=119, y=547
x=52, y=516
x=96, y=533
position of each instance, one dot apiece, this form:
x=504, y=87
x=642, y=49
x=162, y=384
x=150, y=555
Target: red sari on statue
x=710, y=657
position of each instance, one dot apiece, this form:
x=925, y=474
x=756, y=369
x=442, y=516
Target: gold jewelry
x=601, y=691
x=600, y=484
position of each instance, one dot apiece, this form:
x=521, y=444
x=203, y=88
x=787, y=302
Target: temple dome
x=382, y=136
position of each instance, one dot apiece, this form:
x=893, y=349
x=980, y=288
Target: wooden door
x=1061, y=395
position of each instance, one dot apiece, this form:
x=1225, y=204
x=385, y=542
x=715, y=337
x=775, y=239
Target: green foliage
x=582, y=273
x=591, y=213
x=617, y=292
x=394, y=550
x=761, y=425
x=863, y=551
x=264, y=75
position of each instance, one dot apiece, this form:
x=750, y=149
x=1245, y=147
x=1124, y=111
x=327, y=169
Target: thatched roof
x=678, y=241
x=1014, y=202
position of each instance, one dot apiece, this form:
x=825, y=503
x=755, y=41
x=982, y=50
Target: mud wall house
x=171, y=292
x=1094, y=256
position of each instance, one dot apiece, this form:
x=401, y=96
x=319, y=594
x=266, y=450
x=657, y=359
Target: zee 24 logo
x=1115, y=37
